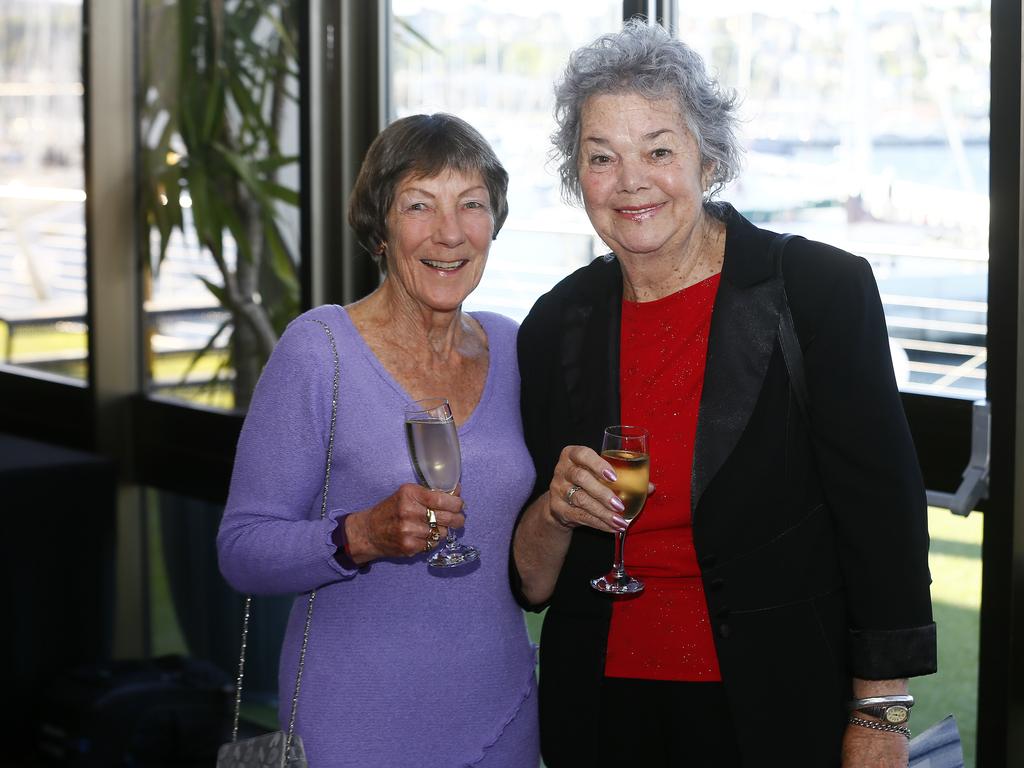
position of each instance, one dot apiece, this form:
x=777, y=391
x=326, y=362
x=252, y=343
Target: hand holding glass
x=625, y=448
x=434, y=449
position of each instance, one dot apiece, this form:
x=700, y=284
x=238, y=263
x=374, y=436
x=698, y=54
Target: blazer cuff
x=893, y=653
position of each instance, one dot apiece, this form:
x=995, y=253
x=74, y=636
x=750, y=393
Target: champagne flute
x=434, y=449
x=625, y=448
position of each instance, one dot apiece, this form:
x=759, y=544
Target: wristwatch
x=894, y=710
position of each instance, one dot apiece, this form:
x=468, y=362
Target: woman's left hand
x=866, y=748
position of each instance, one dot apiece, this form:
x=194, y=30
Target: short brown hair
x=422, y=146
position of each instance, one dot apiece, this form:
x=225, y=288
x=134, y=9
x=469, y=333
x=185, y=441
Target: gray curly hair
x=646, y=60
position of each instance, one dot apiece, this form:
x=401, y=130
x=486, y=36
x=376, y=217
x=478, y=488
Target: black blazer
x=812, y=539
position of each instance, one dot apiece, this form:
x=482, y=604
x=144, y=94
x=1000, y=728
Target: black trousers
x=655, y=723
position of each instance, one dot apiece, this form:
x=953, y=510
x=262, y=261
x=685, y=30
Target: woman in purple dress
x=406, y=664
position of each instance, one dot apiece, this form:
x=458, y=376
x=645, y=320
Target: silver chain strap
x=312, y=595
x=241, y=666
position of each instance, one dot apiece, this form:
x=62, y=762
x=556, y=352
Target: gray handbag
x=280, y=749
x=266, y=751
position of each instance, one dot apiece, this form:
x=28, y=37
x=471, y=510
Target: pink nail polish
x=609, y=475
x=617, y=503
x=622, y=524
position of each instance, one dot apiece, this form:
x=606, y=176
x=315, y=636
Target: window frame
x=1000, y=703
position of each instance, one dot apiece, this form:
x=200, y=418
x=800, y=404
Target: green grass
x=955, y=560
x=37, y=341
x=533, y=625
x=166, y=635
x=64, y=351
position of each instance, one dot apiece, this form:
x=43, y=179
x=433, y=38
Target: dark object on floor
x=170, y=711
x=59, y=511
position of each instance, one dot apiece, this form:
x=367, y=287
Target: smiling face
x=641, y=175
x=439, y=233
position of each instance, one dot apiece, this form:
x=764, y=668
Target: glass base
x=616, y=584
x=452, y=556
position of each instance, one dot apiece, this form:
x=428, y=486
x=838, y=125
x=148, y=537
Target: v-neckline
x=387, y=376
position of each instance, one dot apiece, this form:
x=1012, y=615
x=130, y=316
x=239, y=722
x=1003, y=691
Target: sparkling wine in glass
x=625, y=448
x=434, y=449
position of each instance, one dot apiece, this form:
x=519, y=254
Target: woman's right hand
x=593, y=503
x=399, y=526
x=538, y=550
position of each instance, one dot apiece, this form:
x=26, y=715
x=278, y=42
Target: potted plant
x=217, y=79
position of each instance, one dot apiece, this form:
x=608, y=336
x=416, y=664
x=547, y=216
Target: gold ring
x=431, y=517
x=435, y=535
x=569, y=494
x=426, y=545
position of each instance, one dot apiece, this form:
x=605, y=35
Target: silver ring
x=569, y=494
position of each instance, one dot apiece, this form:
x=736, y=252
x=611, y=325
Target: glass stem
x=450, y=540
x=620, y=543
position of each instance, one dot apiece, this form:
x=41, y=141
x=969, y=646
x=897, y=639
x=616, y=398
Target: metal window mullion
x=1000, y=696
x=114, y=303
x=348, y=92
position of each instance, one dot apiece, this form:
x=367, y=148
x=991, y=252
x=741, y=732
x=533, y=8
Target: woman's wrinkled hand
x=399, y=526
x=592, y=503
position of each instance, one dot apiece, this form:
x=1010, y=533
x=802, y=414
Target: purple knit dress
x=407, y=665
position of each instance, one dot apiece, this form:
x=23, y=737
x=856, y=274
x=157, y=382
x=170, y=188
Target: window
x=866, y=126
x=494, y=64
x=42, y=188
x=219, y=172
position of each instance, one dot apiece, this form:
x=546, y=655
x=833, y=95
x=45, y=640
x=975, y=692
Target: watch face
x=896, y=714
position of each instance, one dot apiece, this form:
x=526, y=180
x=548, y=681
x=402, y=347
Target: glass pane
x=494, y=64
x=42, y=187
x=192, y=611
x=866, y=126
x=219, y=131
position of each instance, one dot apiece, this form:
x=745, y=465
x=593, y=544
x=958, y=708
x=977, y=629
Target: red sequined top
x=664, y=633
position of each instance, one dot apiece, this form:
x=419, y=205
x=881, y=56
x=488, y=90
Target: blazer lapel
x=744, y=323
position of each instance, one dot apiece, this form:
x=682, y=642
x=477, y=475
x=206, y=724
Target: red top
x=664, y=633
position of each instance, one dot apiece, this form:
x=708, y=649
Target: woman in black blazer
x=802, y=534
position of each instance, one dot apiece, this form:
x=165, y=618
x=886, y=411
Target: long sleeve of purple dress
x=406, y=665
